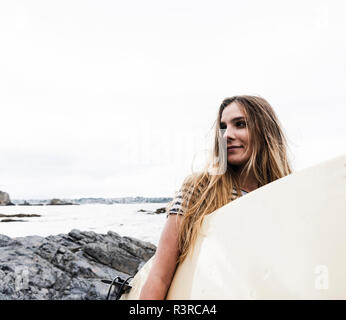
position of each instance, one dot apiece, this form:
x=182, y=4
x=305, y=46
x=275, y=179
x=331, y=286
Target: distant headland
x=5, y=200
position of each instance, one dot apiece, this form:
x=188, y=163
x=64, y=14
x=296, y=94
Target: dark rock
x=67, y=266
x=20, y=215
x=138, y=248
x=56, y=202
x=76, y=234
x=146, y=211
x=25, y=203
x=5, y=199
x=160, y=210
x=113, y=256
x=6, y=241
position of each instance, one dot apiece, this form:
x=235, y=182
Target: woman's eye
x=241, y=124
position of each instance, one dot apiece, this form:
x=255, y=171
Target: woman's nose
x=229, y=133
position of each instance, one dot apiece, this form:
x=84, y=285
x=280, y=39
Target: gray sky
x=114, y=98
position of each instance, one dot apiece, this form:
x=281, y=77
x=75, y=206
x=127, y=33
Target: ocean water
x=121, y=218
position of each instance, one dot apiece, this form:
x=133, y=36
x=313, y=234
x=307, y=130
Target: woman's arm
x=164, y=263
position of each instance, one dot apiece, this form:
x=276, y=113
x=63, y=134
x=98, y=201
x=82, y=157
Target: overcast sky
x=115, y=98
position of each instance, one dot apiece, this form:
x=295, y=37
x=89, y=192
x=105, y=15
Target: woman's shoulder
x=192, y=187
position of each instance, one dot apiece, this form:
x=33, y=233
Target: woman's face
x=236, y=134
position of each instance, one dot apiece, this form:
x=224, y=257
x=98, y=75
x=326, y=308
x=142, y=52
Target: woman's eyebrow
x=234, y=119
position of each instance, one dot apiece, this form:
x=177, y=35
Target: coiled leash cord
x=118, y=281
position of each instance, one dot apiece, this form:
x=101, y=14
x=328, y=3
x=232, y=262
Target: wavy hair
x=204, y=192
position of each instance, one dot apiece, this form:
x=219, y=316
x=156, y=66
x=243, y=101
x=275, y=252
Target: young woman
x=250, y=150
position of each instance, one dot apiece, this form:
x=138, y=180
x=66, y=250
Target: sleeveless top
x=176, y=204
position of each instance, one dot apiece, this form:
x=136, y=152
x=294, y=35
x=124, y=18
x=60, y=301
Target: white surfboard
x=285, y=240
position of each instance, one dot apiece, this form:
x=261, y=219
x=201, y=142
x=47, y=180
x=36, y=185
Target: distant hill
x=127, y=200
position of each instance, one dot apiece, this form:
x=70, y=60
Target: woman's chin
x=235, y=162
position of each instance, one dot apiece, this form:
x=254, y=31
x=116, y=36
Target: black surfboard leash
x=118, y=282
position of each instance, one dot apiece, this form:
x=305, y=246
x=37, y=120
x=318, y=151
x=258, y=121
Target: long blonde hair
x=203, y=192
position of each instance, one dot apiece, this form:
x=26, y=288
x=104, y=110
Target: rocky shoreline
x=68, y=266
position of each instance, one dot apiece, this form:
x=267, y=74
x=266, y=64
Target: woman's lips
x=233, y=148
